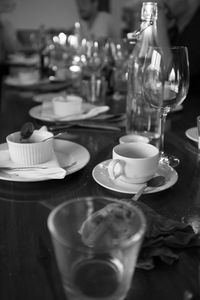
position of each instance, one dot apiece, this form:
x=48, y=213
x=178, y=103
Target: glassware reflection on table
x=165, y=85
x=102, y=269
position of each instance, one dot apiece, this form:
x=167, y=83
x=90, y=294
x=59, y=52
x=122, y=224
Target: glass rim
x=170, y=47
x=126, y=243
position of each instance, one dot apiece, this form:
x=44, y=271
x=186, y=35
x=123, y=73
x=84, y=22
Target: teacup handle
x=113, y=164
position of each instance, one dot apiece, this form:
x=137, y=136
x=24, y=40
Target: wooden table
x=28, y=267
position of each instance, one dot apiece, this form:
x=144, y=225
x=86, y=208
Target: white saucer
x=192, y=134
x=66, y=152
x=100, y=175
x=45, y=112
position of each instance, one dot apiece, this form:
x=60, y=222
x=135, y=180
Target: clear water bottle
x=141, y=118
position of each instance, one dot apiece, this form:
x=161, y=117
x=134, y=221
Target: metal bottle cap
x=149, y=11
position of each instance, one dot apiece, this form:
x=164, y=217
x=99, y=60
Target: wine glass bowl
x=165, y=85
x=92, y=57
x=93, y=54
x=120, y=56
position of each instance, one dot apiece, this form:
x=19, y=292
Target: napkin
x=164, y=239
x=51, y=170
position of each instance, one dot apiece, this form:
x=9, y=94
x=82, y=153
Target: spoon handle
x=139, y=193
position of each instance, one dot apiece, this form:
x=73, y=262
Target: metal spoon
x=52, y=137
x=153, y=182
x=26, y=131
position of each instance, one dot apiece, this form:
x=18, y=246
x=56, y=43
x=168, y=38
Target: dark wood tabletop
x=28, y=267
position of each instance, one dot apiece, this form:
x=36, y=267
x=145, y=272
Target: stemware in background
x=53, y=55
x=93, y=60
x=120, y=56
x=165, y=85
x=102, y=270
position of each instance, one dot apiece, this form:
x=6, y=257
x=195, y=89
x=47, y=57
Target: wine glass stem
x=163, y=116
x=93, y=88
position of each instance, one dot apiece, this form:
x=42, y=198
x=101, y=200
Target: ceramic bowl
x=31, y=151
x=65, y=106
x=27, y=77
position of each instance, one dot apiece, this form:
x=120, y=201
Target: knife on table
x=83, y=125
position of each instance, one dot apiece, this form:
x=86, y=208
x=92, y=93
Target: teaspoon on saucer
x=153, y=182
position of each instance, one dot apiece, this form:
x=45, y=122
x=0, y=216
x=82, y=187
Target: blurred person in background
x=8, y=38
x=130, y=16
x=178, y=25
x=184, y=30
x=95, y=24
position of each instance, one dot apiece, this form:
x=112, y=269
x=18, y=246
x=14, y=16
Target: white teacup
x=133, y=162
x=133, y=138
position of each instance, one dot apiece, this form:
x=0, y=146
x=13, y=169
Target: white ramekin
x=33, y=151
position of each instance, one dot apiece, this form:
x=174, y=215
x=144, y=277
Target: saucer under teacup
x=101, y=176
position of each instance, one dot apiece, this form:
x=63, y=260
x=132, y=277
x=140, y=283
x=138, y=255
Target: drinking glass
x=94, y=60
x=103, y=268
x=165, y=85
x=120, y=56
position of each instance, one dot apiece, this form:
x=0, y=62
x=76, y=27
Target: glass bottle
x=141, y=118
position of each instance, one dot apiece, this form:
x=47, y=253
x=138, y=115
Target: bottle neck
x=148, y=36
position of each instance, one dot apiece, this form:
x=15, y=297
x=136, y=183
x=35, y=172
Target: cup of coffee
x=133, y=162
x=130, y=138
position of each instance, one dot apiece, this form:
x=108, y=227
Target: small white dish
x=192, y=134
x=35, y=150
x=67, y=105
x=100, y=175
x=130, y=138
x=45, y=112
x=66, y=152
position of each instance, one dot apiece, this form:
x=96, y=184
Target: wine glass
x=93, y=54
x=165, y=85
x=120, y=57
